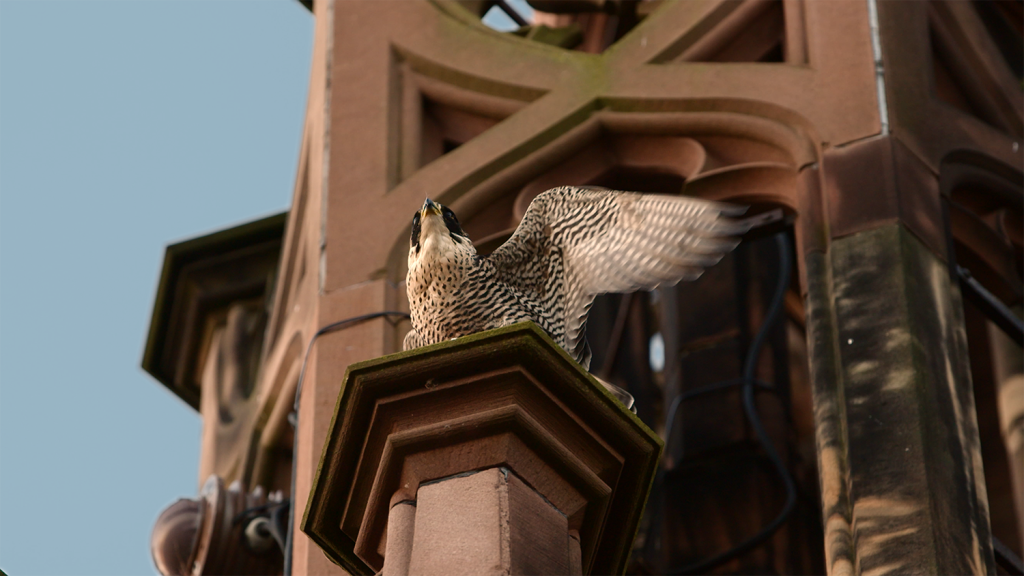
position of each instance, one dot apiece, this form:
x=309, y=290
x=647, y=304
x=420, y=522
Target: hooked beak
x=429, y=206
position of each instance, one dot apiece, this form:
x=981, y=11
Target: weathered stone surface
x=829, y=417
x=487, y=522
x=895, y=412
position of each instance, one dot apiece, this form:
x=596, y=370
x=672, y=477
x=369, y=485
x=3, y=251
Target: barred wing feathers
x=575, y=243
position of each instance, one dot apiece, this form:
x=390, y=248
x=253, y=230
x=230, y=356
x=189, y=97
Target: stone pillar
x=489, y=522
x=902, y=482
x=490, y=454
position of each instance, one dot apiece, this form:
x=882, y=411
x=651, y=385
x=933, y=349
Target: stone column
x=490, y=454
x=902, y=482
x=487, y=522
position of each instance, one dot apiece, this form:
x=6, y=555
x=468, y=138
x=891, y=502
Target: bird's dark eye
x=451, y=222
x=414, y=238
x=449, y=217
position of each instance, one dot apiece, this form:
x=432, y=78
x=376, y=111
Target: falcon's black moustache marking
x=414, y=239
x=454, y=229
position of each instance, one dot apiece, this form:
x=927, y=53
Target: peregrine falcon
x=572, y=244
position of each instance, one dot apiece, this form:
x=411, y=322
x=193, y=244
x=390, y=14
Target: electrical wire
x=293, y=417
x=1006, y=559
x=749, y=384
x=992, y=307
x=691, y=394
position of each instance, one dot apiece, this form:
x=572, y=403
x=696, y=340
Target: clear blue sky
x=124, y=126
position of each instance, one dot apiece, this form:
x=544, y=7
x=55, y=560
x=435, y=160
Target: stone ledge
x=507, y=397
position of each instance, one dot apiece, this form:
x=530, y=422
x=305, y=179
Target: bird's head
x=436, y=233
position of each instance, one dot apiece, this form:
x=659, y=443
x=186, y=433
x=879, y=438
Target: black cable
x=749, y=383
x=673, y=412
x=990, y=306
x=293, y=417
x=691, y=394
x=1006, y=559
x=333, y=327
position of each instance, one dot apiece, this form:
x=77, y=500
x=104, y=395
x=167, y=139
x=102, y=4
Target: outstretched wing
x=575, y=243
